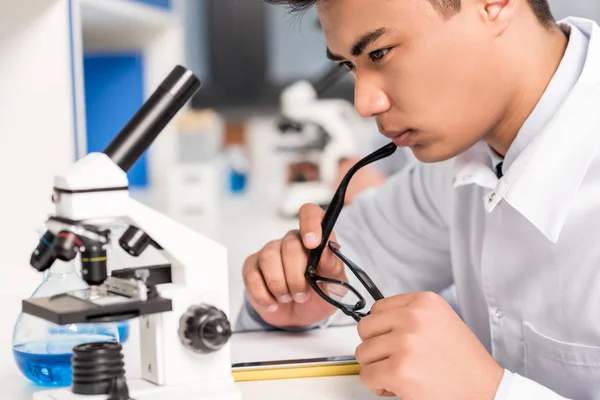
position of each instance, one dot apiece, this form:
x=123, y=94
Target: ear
x=498, y=13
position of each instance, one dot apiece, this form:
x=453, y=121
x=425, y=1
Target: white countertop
x=245, y=347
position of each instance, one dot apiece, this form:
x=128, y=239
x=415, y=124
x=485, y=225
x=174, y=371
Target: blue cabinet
x=114, y=91
x=166, y=4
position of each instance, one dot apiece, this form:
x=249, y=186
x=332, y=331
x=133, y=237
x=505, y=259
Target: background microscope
x=315, y=135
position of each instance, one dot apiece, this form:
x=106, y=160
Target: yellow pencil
x=288, y=372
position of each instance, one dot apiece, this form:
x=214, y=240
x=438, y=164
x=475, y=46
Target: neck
x=536, y=63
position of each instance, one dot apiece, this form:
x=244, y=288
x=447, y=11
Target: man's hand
x=416, y=347
x=274, y=277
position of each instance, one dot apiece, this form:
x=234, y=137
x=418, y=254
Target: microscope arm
x=186, y=250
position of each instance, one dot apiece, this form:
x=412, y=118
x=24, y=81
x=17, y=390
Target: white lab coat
x=523, y=251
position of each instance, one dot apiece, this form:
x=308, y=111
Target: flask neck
x=62, y=268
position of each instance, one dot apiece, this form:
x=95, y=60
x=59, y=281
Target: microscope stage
x=80, y=307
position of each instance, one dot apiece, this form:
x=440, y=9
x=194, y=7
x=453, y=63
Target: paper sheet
x=276, y=345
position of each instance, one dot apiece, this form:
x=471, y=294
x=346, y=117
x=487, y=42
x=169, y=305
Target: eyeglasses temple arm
x=337, y=202
x=362, y=276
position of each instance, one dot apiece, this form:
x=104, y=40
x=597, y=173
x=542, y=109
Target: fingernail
x=301, y=297
x=286, y=298
x=310, y=239
x=272, y=308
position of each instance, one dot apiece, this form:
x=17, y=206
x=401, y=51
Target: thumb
x=330, y=265
x=311, y=216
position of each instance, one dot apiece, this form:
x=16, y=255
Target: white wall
x=196, y=38
x=36, y=127
x=577, y=8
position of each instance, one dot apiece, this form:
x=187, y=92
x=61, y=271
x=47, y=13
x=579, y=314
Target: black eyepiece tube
x=152, y=117
x=332, y=76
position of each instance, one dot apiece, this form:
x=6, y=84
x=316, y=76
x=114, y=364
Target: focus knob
x=204, y=329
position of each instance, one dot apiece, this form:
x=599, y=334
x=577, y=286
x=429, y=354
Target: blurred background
x=256, y=142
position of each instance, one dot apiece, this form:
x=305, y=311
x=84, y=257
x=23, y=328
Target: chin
x=431, y=154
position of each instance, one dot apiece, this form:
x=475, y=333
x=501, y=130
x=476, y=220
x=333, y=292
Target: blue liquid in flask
x=49, y=363
x=123, y=328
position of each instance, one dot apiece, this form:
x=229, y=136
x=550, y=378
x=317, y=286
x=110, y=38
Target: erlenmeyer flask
x=43, y=350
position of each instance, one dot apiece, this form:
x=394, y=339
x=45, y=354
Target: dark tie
x=499, y=173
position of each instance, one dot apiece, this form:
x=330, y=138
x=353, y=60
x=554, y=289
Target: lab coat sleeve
x=249, y=320
x=398, y=233
x=516, y=387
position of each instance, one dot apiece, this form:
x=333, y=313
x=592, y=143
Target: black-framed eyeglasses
x=338, y=293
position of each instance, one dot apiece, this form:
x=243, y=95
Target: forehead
x=344, y=21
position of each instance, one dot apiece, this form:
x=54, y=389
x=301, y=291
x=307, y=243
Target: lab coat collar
x=474, y=166
x=544, y=179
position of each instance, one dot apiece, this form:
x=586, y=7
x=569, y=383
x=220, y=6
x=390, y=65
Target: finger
x=394, y=302
x=373, y=377
x=375, y=325
x=373, y=350
x=330, y=266
x=311, y=216
x=256, y=288
x=271, y=267
x=294, y=259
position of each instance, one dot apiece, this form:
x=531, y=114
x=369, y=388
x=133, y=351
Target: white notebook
x=250, y=347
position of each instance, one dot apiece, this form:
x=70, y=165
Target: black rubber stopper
x=98, y=368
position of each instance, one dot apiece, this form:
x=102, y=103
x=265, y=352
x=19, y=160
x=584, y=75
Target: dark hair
x=540, y=8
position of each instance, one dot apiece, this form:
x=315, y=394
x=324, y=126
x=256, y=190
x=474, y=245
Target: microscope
x=181, y=306
x=315, y=135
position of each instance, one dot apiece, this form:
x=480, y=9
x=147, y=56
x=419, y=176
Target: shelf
x=121, y=24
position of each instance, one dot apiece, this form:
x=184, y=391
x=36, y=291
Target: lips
x=400, y=138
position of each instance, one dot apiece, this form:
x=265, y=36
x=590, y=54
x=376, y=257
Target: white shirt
x=562, y=82
x=523, y=251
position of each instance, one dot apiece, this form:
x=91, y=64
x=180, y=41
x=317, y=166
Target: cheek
x=441, y=87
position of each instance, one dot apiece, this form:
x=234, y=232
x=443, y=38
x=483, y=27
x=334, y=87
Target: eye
x=348, y=65
x=378, y=55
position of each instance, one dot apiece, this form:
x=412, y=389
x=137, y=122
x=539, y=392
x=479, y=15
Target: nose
x=369, y=99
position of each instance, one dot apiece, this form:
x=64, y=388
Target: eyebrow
x=361, y=44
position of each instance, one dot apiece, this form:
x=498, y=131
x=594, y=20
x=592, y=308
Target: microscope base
x=144, y=390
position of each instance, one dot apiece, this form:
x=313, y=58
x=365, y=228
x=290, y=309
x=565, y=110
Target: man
x=502, y=107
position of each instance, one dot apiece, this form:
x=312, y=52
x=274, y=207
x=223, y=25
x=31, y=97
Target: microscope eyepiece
x=333, y=75
x=139, y=133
